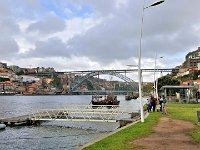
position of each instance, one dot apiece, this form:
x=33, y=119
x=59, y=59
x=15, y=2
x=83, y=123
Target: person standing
x=161, y=103
x=158, y=106
x=164, y=105
x=197, y=96
x=153, y=103
x=148, y=105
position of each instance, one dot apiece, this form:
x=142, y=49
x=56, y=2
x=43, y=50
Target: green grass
x=183, y=111
x=122, y=139
x=186, y=112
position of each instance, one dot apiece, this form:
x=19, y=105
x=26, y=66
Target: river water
x=56, y=135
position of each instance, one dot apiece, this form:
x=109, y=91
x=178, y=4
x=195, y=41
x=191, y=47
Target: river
x=56, y=135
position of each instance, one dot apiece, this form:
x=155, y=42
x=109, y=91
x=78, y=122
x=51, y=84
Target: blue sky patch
x=66, y=9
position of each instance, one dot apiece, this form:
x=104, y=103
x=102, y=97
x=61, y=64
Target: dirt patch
x=169, y=134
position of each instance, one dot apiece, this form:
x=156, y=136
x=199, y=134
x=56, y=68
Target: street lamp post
x=139, y=60
x=155, y=78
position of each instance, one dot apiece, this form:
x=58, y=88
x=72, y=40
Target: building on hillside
x=193, y=70
x=28, y=78
x=186, y=71
x=28, y=70
x=83, y=87
x=14, y=68
x=7, y=87
x=192, y=59
x=5, y=75
x=68, y=78
x=3, y=65
x=48, y=80
x=42, y=69
x=9, y=75
x=195, y=83
x=31, y=89
x=21, y=89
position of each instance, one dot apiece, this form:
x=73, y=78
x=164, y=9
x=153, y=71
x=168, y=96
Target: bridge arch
x=77, y=82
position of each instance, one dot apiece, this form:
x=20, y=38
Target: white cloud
x=75, y=27
x=52, y=47
x=8, y=46
x=47, y=25
x=80, y=35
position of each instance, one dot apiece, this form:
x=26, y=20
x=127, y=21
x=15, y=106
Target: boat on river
x=132, y=96
x=109, y=99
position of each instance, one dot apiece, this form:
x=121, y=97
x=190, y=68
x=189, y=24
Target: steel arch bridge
x=77, y=82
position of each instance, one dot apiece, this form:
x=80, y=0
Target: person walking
x=164, y=105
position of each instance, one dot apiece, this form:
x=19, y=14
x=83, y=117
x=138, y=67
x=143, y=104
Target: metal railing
x=97, y=113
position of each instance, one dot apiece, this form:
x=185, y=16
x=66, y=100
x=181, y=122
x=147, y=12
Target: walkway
x=169, y=134
x=97, y=113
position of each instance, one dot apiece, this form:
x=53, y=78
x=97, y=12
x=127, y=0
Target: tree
x=147, y=88
x=20, y=72
x=89, y=85
x=4, y=79
x=167, y=80
x=56, y=82
x=195, y=75
x=192, y=76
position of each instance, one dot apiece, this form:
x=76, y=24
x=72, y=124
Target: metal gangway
x=97, y=113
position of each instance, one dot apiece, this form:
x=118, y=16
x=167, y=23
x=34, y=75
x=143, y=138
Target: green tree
x=20, y=72
x=147, y=88
x=89, y=85
x=195, y=75
x=56, y=82
x=167, y=80
x=4, y=79
x=184, y=78
x=192, y=76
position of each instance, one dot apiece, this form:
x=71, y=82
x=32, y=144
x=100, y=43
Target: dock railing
x=98, y=113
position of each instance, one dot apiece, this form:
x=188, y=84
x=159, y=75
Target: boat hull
x=104, y=102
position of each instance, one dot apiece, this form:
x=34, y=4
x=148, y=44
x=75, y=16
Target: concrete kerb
x=111, y=133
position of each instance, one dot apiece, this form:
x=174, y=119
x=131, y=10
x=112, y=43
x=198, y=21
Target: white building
x=28, y=78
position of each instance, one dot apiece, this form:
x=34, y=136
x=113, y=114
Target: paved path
x=169, y=134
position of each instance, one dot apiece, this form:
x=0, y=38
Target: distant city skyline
x=93, y=34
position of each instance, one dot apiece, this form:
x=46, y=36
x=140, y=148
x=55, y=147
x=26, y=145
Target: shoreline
x=110, y=133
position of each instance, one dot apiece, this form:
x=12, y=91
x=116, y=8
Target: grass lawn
x=122, y=139
x=186, y=112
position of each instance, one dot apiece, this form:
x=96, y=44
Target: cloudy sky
x=96, y=34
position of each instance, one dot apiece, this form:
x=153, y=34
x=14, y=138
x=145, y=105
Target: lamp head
x=157, y=3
